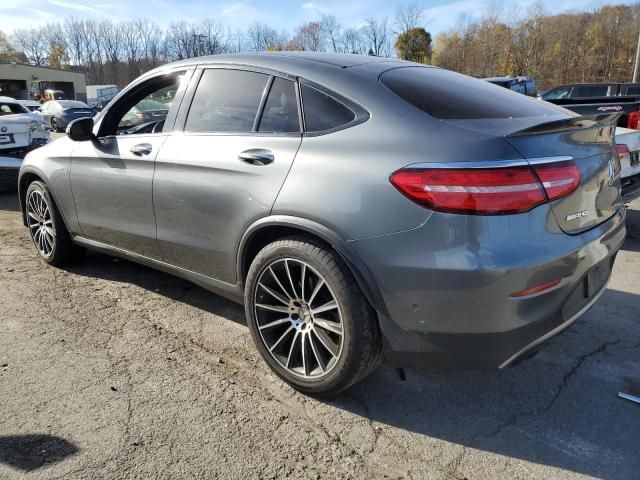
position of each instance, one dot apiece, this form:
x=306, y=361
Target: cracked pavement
x=112, y=370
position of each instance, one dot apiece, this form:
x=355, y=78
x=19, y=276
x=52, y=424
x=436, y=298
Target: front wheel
x=308, y=317
x=47, y=229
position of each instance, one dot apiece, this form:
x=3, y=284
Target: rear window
x=323, y=112
x=448, y=95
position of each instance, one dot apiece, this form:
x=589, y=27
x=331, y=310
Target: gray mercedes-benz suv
x=359, y=207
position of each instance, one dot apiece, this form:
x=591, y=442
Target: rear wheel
x=54, y=125
x=48, y=231
x=308, y=317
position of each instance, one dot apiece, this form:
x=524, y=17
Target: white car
x=628, y=146
x=20, y=129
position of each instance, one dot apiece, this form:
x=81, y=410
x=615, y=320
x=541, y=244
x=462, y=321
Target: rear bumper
x=450, y=306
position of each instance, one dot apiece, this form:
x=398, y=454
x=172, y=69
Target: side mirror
x=81, y=129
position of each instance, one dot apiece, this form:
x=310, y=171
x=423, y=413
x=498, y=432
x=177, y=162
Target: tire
x=46, y=227
x=54, y=125
x=315, y=347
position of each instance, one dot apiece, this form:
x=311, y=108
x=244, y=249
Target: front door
x=112, y=176
x=225, y=169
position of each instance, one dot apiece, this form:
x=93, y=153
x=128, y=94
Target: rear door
x=240, y=133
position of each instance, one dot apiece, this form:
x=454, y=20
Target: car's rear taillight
x=633, y=120
x=559, y=178
x=487, y=191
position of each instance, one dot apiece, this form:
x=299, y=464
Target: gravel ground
x=112, y=370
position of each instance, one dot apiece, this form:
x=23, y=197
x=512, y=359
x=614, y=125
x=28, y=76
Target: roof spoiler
x=573, y=123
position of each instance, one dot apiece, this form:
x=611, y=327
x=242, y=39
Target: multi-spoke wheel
x=46, y=227
x=308, y=317
x=299, y=318
x=40, y=223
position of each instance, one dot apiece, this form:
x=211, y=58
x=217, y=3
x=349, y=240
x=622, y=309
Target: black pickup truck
x=610, y=98
x=598, y=98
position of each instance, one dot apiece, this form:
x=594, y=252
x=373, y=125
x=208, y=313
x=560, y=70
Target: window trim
x=360, y=114
x=170, y=120
x=185, y=108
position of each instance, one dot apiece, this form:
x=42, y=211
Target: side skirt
x=229, y=291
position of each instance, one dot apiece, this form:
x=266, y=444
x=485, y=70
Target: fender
x=43, y=178
x=359, y=269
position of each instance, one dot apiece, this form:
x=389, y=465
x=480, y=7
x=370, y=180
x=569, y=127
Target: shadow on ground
x=30, y=452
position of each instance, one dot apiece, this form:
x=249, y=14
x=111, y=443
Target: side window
x=557, y=93
x=323, y=112
x=531, y=88
x=518, y=87
x=144, y=109
x=280, y=114
x=153, y=108
x=226, y=101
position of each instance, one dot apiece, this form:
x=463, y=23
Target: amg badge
x=581, y=214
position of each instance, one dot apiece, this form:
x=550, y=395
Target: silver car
x=361, y=208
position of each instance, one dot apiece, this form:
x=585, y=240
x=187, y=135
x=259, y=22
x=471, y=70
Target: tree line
x=572, y=47
x=585, y=46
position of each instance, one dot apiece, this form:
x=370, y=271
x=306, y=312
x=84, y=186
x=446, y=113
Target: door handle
x=141, y=149
x=257, y=156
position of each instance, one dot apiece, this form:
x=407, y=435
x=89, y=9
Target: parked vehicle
x=599, y=98
x=98, y=96
x=520, y=84
x=359, y=207
x=20, y=130
x=31, y=105
x=59, y=113
x=589, y=90
x=628, y=146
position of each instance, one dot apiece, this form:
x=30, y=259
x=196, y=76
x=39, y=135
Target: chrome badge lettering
x=574, y=216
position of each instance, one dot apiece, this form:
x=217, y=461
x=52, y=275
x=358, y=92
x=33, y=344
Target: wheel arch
x=26, y=178
x=269, y=229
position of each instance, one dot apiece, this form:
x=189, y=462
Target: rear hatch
x=589, y=143
x=540, y=132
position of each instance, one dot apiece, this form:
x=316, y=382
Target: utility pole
x=635, y=67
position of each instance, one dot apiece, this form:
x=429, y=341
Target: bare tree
x=331, y=30
x=409, y=16
x=262, y=37
x=377, y=34
x=352, y=41
x=33, y=43
x=308, y=37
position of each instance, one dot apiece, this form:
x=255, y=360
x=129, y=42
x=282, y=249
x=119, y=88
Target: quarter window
x=323, y=112
x=280, y=114
x=226, y=101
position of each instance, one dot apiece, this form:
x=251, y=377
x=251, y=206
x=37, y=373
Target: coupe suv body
x=361, y=208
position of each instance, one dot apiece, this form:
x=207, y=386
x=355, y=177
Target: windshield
x=7, y=108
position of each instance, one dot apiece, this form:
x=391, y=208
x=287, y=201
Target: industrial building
x=19, y=81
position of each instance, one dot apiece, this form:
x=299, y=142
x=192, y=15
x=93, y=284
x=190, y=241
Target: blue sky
x=283, y=14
